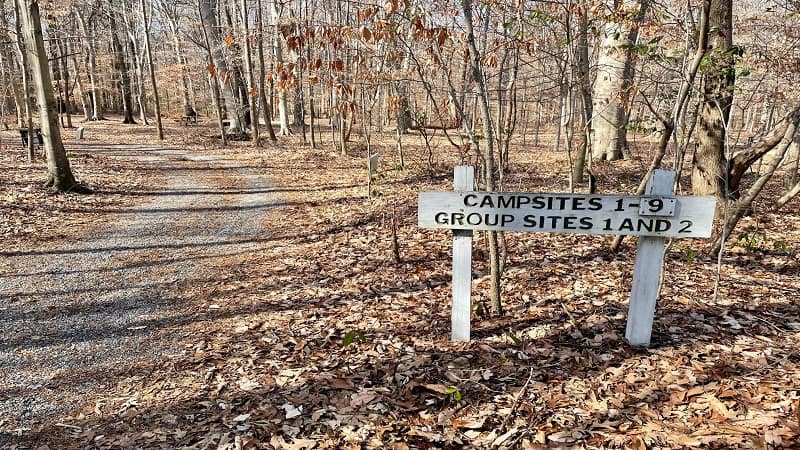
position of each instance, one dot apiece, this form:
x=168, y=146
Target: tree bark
x=744, y=204
x=743, y=160
x=709, y=173
x=16, y=90
x=488, y=129
x=171, y=13
x=266, y=106
x=678, y=109
x=213, y=82
x=794, y=183
x=152, y=70
x=9, y=76
x=221, y=71
x=283, y=113
x=7, y=79
x=584, y=85
x=248, y=67
x=121, y=67
x=63, y=70
x=615, y=73
x=81, y=91
x=97, y=105
x=59, y=175
x=25, y=64
x=138, y=57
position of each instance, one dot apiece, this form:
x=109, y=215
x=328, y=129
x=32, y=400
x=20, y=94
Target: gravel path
x=74, y=314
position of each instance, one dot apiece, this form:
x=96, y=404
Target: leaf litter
x=264, y=366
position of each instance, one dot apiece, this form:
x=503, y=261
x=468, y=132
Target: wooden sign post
x=373, y=163
x=647, y=270
x=654, y=217
x=463, y=180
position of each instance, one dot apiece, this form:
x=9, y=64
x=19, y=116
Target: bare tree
x=248, y=67
x=59, y=175
x=170, y=10
x=488, y=129
x=220, y=68
x=24, y=66
x=277, y=49
x=266, y=105
x=91, y=60
x=156, y=99
x=121, y=67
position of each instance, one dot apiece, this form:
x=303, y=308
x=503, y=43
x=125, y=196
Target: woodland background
x=539, y=96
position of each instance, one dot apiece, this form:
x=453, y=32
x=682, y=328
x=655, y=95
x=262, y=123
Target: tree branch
x=742, y=160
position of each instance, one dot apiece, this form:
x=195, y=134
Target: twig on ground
x=516, y=400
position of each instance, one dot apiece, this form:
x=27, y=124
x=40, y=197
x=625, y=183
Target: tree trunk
x=63, y=70
x=792, y=182
x=614, y=77
x=226, y=77
x=266, y=106
x=7, y=79
x=152, y=70
x=745, y=203
x=186, y=101
x=584, y=86
x=793, y=156
x=97, y=105
x=743, y=160
x=488, y=129
x=213, y=83
x=122, y=69
x=16, y=89
x=297, y=109
x=25, y=53
x=87, y=115
x=403, y=121
x=283, y=113
x=709, y=173
x=248, y=67
x=138, y=58
x=59, y=175
x=678, y=108
x=172, y=17
x=58, y=82
x=9, y=74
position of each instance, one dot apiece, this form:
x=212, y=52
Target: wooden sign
x=653, y=217
x=662, y=215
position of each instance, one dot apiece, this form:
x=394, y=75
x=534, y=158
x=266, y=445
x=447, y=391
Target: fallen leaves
x=264, y=365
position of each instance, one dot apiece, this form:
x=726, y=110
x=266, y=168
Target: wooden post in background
x=647, y=270
x=463, y=180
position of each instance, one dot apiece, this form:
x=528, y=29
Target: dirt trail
x=76, y=313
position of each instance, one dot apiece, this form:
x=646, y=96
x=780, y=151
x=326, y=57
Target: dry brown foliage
x=264, y=365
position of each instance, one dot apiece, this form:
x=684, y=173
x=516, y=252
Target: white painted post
x=463, y=179
x=647, y=271
x=373, y=163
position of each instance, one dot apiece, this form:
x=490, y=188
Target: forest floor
x=242, y=298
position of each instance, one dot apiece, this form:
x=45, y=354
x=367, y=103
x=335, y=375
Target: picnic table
x=187, y=120
x=39, y=140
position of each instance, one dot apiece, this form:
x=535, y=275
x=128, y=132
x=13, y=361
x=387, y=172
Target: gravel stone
x=74, y=313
